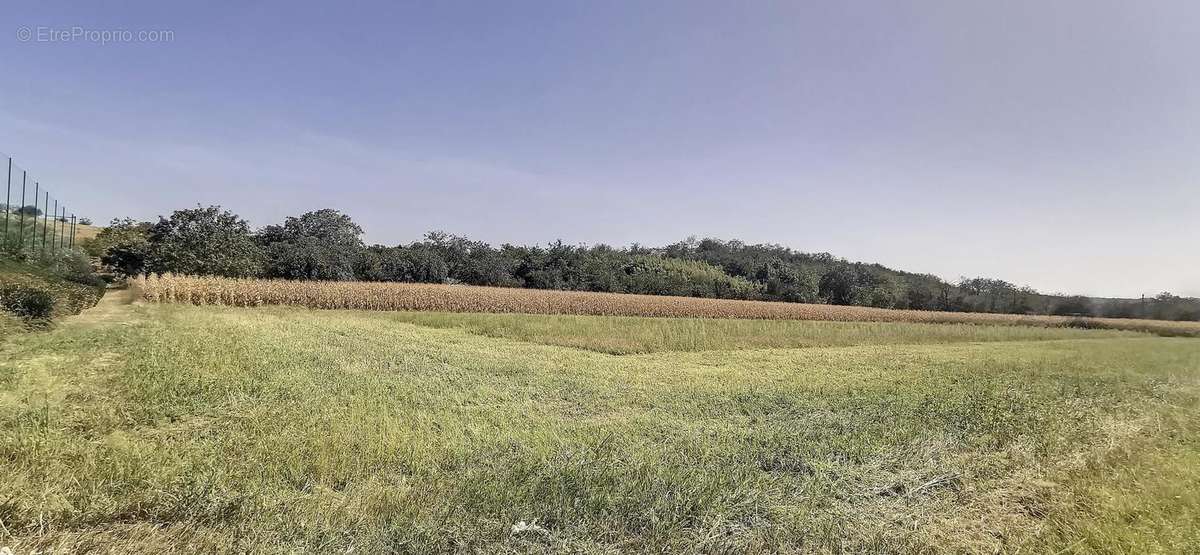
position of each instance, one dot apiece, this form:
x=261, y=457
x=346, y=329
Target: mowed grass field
x=151, y=428
x=623, y=335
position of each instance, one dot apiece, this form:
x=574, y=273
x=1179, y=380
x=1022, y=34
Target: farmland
x=157, y=427
x=458, y=298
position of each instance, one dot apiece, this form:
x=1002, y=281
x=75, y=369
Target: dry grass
x=85, y=232
x=462, y=298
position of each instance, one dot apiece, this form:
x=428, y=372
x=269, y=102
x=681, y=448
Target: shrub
x=26, y=302
x=74, y=266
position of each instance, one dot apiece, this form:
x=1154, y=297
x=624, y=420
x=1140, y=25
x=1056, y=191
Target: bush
x=52, y=287
x=74, y=266
x=26, y=302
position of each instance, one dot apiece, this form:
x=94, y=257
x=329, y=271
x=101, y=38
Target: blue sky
x=1052, y=144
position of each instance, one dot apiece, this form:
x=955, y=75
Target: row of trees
x=327, y=245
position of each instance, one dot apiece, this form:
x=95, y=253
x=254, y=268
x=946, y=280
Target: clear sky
x=1051, y=144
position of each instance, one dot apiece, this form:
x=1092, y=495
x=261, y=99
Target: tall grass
x=459, y=298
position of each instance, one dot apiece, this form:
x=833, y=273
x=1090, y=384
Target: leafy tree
x=921, y=295
x=789, y=282
x=838, y=284
x=473, y=262
x=122, y=246
x=203, y=241
x=85, y=221
x=424, y=265
x=875, y=288
x=1166, y=306
x=415, y=264
x=1073, y=306
x=323, y=244
x=656, y=275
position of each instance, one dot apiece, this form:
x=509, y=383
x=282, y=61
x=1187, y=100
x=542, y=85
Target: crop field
x=142, y=427
x=460, y=298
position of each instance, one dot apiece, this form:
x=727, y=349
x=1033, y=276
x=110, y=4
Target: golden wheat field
x=169, y=288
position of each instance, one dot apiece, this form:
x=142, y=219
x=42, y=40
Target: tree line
x=327, y=245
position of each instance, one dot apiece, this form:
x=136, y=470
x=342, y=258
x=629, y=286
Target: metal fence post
x=8, y=200
x=72, y=230
x=58, y=224
x=53, y=226
x=37, y=192
x=45, y=222
x=21, y=228
x=62, y=230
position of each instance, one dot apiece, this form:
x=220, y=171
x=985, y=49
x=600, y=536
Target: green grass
x=202, y=429
x=630, y=335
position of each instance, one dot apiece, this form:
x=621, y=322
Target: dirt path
x=116, y=305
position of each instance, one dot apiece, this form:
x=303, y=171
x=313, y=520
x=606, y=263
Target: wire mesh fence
x=36, y=223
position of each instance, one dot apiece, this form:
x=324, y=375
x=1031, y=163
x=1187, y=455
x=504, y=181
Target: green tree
x=789, y=282
x=323, y=244
x=203, y=241
x=1077, y=305
x=122, y=246
x=837, y=286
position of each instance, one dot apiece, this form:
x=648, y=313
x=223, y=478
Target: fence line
x=23, y=233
